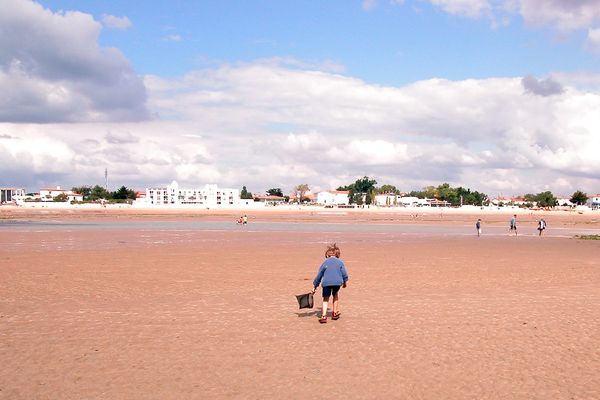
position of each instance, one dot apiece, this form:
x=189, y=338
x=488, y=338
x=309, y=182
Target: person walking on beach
x=245, y=219
x=331, y=276
x=513, y=224
x=478, y=227
x=541, y=226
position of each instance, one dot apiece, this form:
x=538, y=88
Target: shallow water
x=307, y=227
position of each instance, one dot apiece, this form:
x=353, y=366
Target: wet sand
x=113, y=311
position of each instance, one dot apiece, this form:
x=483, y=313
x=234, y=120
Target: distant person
x=331, y=276
x=245, y=219
x=240, y=220
x=513, y=224
x=541, y=226
x=478, y=227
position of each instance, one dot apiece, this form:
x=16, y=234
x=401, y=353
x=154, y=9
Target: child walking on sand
x=513, y=224
x=332, y=274
x=541, y=226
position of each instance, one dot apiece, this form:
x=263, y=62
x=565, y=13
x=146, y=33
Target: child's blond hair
x=332, y=250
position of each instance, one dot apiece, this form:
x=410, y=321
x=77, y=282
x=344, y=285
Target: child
x=513, y=224
x=541, y=226
x=478, y=227
x=332, y=274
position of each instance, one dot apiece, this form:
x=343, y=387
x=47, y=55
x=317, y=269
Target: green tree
x=364, y=185
x=245, y=194
x=429, y=192
x=123, y=194
x=388, y=189
x=469, y=197
x=361, y=189
x=370, y=196
x=451, y=194
x=447, y=193
x=60, y=198
x=357, y=198
x=301, y=191
x=579, y=198
x=275, y=192
x=98, y=192
x=417, y=193
x=546, y=199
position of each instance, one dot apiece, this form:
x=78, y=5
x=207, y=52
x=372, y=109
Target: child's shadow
x=307, y=314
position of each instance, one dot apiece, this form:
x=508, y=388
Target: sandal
x=323, y=319
x=336, y=315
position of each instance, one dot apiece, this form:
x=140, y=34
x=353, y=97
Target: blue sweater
x=331, y=273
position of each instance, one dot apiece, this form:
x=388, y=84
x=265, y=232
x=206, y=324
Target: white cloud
x=369, y=4
x=594, y=38
x=265, y=124
x=327, y=118
x=42, y=155
x=566, y=15
x=303, y=143
x=172, y=38
x=60, y=73
x=370, y=152
x=562, y=15
x=542, y=87
x=110, y=21
x=468, y=8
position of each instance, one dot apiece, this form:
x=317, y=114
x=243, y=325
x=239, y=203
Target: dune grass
x=588, y=237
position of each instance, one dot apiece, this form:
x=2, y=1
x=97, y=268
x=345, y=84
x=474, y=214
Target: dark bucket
x=305, y=300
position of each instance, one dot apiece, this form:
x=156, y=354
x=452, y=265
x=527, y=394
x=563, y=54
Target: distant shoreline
x=299, y=214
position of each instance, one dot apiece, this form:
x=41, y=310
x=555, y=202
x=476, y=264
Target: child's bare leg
x=335, y=304
x=325, y=301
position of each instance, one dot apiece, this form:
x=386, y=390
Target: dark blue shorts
x=329, y=290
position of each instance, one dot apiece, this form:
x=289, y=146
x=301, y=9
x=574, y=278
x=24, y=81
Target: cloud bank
x=60, y=73
x=562, y=15
x=264, y=124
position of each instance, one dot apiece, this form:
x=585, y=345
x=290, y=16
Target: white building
x=512, y=201
x=71, y=196
x=48, y=194
x=269, y=199
x=9, y=195
x=207, y=196
x=386, y=200
x=410, y=201
x=564, y=201
x=594, y=201
x=333, y=197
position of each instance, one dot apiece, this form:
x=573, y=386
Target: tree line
x=97, y=192
x=364, y=190
x=547, y=199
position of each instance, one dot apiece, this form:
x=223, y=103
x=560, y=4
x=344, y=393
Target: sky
x=501, y=96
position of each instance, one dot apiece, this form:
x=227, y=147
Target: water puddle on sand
x=103, y=235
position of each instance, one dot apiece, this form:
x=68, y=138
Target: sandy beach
x=125, y=304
